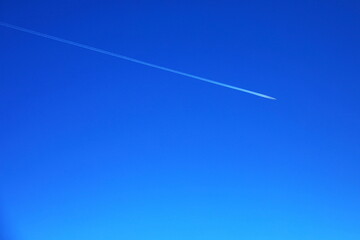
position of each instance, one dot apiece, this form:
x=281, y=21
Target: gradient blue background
x=93, y=147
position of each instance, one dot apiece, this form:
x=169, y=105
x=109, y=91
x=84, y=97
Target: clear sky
x=94, y=147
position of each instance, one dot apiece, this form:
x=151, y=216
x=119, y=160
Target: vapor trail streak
x=130, y=59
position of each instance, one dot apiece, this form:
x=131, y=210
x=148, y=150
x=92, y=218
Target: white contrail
x=130, y=59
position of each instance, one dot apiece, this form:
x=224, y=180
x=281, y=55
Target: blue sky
x=93, y=147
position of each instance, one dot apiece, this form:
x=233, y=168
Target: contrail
x=130, y=59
